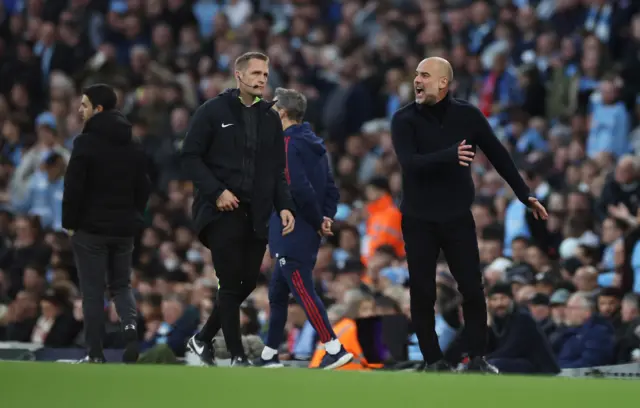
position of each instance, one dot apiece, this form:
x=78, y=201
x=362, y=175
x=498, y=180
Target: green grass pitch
x=57, y=385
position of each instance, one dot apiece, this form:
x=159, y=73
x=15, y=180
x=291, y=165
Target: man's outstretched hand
x=288, y=222
x=539, y=212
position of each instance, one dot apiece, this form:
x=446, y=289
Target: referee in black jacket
x=105, y=194
x=235, y=154
x=435, y=139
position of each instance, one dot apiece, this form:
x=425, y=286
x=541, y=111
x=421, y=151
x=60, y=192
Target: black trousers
x=457, y=239
x=103, y=263
x=236, y=253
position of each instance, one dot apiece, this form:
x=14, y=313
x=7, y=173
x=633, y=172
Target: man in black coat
x=234, y=153
x=105, y=194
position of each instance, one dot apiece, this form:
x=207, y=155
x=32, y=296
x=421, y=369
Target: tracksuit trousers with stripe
x=291, y=276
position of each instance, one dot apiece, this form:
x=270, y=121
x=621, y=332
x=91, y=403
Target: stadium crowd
x=559, y=80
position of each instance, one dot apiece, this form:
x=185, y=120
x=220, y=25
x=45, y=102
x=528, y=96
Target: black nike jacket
x=213, y=157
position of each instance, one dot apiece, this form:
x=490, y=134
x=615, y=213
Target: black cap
x=540, y=299
x=545, y=279
x=500, y=289
x=522, y=270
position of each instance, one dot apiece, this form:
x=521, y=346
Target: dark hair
x=101, y=95
x=381, y=183
x=243, y=60
x=611, y=292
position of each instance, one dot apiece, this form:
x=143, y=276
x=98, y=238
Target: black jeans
x=103, y=263
x=236, y=253
x=457, y=239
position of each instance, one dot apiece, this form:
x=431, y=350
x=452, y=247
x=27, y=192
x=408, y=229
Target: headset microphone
x=246, y=84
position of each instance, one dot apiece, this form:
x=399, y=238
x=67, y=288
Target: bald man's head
x=433, y=77
x=627, y=169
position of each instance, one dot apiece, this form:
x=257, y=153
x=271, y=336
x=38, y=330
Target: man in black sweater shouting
x=234, y=152
x=435, y=139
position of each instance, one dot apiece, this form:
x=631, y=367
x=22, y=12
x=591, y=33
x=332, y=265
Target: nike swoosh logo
x=224, y=125
x=199, y=350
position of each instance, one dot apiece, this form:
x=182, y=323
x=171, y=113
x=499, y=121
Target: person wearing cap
x=557, y=308
x=516, y=343
x=541, y=311
x=106, y=188
x=545, y=283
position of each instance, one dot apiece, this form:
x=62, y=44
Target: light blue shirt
x=515, y=222
x=610, y=129
x=635, y=265
x=304, y=346
x=445, y=334
x=43, y=199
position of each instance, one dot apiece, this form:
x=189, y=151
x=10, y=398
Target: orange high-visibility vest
x=347, y=333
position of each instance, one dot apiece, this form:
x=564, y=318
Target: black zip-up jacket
x=214, y=158
x=426, y=140
x=106, y=186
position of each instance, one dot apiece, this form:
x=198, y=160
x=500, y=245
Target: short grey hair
x=292, y=102
x=584, y=299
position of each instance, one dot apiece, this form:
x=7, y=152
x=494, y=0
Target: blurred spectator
x=516, y=343
x=178, y=322
x=588, y=340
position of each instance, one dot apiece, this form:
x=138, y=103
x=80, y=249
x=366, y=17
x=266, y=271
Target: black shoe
x=480, y=365
x=203, y=350
x=333, y=361
x=91, y=360
x=273, y=362
x=241, y=362
x=132, y=348
x=441, y=366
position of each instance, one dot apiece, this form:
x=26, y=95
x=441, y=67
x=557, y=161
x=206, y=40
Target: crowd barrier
x=34, y=352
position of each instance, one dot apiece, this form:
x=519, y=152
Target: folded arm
x=408, y=156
